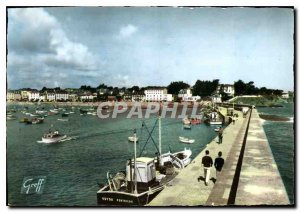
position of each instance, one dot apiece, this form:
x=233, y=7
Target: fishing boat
x=186, y=140
x=143, y=179
x=52, y=137
x=214, y=118
x=132, y=139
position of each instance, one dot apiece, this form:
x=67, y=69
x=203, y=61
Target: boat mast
x=135, y=168
x=159, y=139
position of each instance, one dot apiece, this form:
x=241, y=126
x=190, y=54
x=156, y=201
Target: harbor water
x=280, y=135
x=74, y=168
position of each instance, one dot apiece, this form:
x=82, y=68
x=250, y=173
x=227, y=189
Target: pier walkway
x=249, y=172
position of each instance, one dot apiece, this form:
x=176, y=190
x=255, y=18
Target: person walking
x=219, y=162
x=220, y=134
x=207, y=162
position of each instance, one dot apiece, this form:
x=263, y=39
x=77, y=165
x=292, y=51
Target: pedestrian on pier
x=220, y=134
x=207, y=162
x=219, y=162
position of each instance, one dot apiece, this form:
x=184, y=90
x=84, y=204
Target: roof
x=155, y=88
x=144, y=159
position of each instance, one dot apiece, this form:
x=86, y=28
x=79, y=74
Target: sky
x=126, y=46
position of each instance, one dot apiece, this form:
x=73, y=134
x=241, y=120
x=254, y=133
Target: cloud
x=127, y=31
x=38, y=45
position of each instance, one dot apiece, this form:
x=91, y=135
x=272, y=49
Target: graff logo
x=33, y=185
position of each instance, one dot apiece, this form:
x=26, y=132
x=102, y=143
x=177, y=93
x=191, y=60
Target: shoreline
x=96, y=104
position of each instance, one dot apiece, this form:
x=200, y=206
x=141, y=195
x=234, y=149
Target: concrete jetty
x=242, y=177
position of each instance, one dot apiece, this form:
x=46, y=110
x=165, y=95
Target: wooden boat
x=143, y=179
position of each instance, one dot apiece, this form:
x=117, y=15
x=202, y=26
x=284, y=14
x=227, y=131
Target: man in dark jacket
x=207, y=162
x=219, y=162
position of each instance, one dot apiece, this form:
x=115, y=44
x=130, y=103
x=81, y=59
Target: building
x=73, y=97
x=127, y=96
x=216, y=98
x=24, y=94
x=138, y=96
x=87, y=97
x=227, y=88
x=13, y=96
x=33, y=95
x=285, y=95
x=187, y=96
x=157, y=94
x=61, y=95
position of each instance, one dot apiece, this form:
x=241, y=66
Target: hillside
x=262, y=101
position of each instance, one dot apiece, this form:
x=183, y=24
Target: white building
x=33, y=95
x=187, y=96
x=50, y=96
x=285, y=95
x=61, y=96
x=216, y=98
x=157, y=94
x=227, y=88
x=87, y=96
x=13, y=96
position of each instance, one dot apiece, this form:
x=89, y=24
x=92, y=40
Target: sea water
x=280, y=135
x=73, y=168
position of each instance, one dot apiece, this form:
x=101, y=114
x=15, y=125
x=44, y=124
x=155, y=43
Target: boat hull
x=53, y=140
x=115, y=198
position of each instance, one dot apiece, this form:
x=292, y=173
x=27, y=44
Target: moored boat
x=144, y=178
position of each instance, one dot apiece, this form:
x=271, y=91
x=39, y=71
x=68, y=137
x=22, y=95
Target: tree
x=239, y=87
x=102, y=86
x=205, y=88
x=175, y=87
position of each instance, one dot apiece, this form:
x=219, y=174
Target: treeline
x=201, y=88
x=242, y=88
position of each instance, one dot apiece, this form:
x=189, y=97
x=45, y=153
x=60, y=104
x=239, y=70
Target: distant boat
x=187, y=127
x=62, y=119
x=11, y=117
x=132, y=139
x=52, y=137
x=64, y=114
x=195, y=121
x=37, y=120
x=23, y=120
x=53, y=112
x=186, y=121
x=186, y=140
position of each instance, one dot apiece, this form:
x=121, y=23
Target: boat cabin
x=146, y=173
